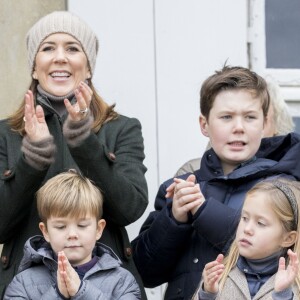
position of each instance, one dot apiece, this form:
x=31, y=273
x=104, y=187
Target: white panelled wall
x=153, y=57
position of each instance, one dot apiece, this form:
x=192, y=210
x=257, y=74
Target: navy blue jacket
x=168, y=251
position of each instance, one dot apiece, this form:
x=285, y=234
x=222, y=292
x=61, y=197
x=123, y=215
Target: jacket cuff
x=39, y=155
x=286, y=294
x=76, y=132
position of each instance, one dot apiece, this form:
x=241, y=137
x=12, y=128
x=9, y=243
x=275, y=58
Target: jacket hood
x=38, y=251
x=284, y=151
x=276, y=155
x=276, y=147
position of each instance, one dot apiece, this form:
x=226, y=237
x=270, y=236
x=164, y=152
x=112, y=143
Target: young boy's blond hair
x=69, y=194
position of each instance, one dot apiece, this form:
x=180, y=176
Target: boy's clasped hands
x=68, y=281
x=187, y=197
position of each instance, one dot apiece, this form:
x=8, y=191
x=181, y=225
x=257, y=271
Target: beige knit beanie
x=65, y=22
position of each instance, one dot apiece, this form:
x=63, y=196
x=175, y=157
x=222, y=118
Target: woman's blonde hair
x=282, y=209
x=282, y=118
x=69, y=194
x=101, y=111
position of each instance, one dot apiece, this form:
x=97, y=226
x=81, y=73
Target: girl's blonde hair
x=283, y=210
x=101, y=111
x=69, y=195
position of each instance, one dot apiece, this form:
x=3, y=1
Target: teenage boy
x=68, y=262
x=196, y=215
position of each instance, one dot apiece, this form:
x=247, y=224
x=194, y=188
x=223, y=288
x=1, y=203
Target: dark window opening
x=282, y=33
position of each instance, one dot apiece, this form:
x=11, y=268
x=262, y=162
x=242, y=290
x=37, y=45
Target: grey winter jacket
x=36, y=279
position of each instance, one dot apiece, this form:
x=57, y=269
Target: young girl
x=260, y=263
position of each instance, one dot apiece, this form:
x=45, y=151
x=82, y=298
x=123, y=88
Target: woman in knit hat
x=64, y=124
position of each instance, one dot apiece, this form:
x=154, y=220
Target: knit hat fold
x=62, y=22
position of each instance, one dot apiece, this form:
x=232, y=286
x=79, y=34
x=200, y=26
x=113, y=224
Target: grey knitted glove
x=40, y=154
x=76, y=132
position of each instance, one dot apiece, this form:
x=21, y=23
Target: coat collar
x=38, y=251
x=240, y=280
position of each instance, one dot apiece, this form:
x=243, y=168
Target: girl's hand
x=79, y=110
x=285, y=277
x=212, y=274
x=36, y=127
x=187, y=197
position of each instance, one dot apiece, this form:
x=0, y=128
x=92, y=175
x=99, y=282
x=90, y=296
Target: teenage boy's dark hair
x=233, y=78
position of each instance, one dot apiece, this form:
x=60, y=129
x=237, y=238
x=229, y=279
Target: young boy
x=196, y=215
x=68, y=262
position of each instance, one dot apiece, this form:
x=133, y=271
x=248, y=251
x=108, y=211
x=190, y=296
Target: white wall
x=125, y=72
x=193, y=39
x=153, y=57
